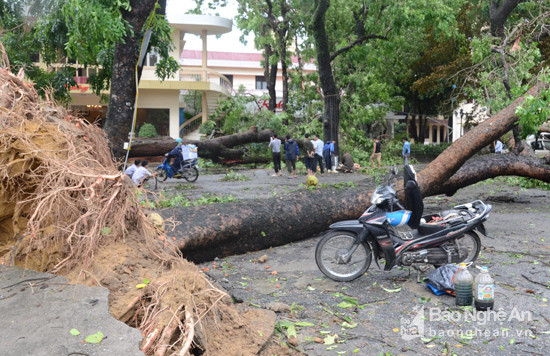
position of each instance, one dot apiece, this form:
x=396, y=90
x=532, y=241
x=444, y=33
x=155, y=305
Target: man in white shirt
x=142, y=174
x=130, y=170
x=498, y=147
x=318, y=157
x=275, y=145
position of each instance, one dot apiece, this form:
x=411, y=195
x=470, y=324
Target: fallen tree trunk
x=233, y=228
x=220, y=230
x=441, y=169
x=217, y=149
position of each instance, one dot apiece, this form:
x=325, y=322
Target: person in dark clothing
x=177, y=155
x=309, y=156
x=376, y=152
x=347, y=162
x=291, y=154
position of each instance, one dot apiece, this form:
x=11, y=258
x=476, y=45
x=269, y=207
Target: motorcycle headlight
x=378, y=201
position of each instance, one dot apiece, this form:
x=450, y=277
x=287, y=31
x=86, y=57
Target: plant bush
x=418, y=151
x=147, y=130
x=207, y=127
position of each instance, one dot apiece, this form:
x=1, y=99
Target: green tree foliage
x=84, y=31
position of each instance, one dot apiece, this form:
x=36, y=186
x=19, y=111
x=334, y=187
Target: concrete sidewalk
x=38, y=310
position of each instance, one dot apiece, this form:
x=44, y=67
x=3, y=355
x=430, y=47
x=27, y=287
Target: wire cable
x=137, y=89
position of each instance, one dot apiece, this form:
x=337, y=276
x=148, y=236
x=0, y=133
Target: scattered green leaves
x=94, y=338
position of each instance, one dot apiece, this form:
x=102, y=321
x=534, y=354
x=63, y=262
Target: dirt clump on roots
x=66, y=209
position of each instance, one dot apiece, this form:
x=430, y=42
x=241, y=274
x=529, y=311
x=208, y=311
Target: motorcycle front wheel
x=341, y=258
x=190, y=174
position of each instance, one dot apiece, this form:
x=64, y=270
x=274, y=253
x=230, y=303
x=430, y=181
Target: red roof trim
x=226, y=56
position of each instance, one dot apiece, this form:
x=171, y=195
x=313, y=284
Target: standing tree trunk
x=331, y=122
x=270, y=73
x=283, y=33
x=123, y=79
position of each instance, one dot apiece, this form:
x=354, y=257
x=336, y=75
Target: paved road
x=38, y=310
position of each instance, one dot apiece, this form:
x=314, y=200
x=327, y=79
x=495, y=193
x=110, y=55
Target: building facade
x=213, y=75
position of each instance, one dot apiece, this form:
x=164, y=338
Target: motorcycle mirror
x=394, y=170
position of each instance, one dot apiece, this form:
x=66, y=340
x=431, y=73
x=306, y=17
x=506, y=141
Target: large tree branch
x=449, y=161
x=215, y=149
x=490, y=166
x=357, y=42
x=499, y=11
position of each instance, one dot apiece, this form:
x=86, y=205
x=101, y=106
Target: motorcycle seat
x=428, y=229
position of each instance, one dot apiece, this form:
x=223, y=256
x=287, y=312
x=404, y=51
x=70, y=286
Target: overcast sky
x=228, y=42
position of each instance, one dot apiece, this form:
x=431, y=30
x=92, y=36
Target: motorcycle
x=346, y=251
x=189, y=170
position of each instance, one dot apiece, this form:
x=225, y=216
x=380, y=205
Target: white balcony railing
x=208, y=75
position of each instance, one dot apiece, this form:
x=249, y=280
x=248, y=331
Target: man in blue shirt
x=328, y=152
x=406, y=150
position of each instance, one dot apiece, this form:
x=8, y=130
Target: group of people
x=316, y=153
x=139, y=173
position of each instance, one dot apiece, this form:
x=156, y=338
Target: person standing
x=498, y=147
x=376, y=153
x=308, y=156
x=328, y=152
x=275, y=145
x=406, y=150
x=291, y=154
x=318, y=157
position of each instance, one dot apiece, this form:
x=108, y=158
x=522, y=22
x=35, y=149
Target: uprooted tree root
x=65, y=208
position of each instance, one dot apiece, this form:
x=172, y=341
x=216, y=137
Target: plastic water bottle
x=463, y=282
x=484, y=290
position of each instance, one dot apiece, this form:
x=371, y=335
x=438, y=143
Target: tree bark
x=221, y=230
x=499, y=11
x=123, y=82
x=330, y=91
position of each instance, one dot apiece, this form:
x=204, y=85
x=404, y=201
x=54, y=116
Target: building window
x=261, y=83
x=152, y=58
x=159, y=118
x=229, y=77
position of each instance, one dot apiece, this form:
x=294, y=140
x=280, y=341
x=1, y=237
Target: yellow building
x=161, y=103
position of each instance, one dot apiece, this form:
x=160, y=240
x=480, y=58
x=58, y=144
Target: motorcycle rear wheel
x=162, y=176
x=472, y=243
x=330, y=256
x=190, y=174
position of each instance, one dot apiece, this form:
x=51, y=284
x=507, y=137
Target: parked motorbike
x=189, y=170
x=347, y=250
